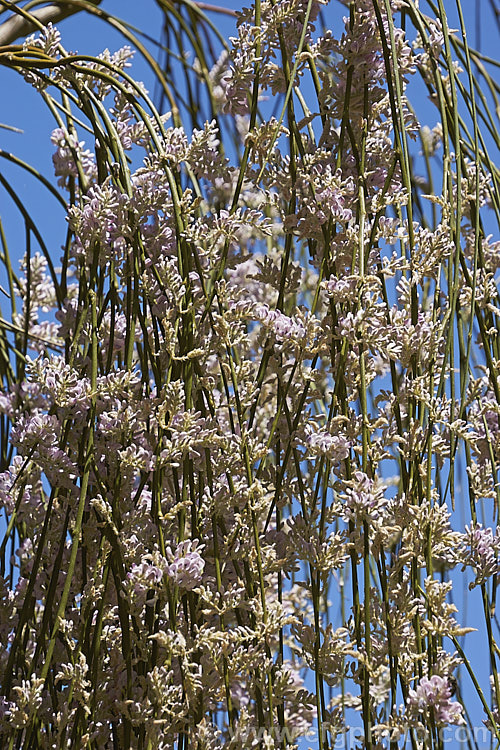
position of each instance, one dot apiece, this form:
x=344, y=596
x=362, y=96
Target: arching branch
x=18, y=26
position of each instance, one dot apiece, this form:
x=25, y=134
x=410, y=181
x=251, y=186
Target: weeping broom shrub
x=250, y=431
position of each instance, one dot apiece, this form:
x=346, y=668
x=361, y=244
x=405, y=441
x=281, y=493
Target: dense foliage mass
x=250, y=427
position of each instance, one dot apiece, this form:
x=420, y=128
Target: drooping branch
x=20, y=26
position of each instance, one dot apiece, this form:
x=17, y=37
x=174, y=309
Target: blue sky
x=23, y=109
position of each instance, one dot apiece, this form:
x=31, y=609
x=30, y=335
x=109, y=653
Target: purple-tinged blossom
x=60, y=384
x=433, y=697
x=481, y=552
x=41, y=286
x=70, y=152
x=186, y=565
x=363, y=499
x=174, y=145
x=296, y=330
x=335, y=447
x=41, y=433
x=237, y=82
x=285, y=327
x=48, y=42
x=343, y=289
x=27, y=495
x=130, y=131
x=204, y=154
x=485, y=416
x=117, y=61
x=145, y=577
x=104, y=221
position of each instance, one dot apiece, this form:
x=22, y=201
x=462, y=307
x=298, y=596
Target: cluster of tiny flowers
x=186, y=564
x=228, y=514
x=70, y=155
x=433, y=695
x=482, y=552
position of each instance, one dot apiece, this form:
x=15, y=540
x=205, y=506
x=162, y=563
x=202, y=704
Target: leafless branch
x=18, y=26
